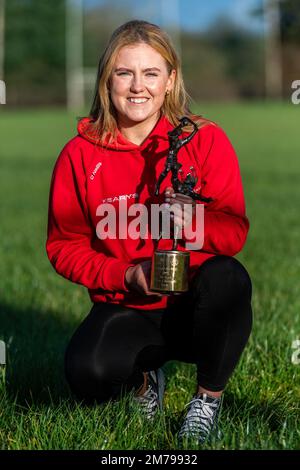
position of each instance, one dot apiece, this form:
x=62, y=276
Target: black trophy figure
x=180, y=186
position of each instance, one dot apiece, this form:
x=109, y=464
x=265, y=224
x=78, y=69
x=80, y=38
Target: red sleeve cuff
x=114, y=276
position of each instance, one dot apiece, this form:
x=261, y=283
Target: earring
x=167, y=93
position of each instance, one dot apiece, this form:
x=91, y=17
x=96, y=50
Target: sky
x=192, y=15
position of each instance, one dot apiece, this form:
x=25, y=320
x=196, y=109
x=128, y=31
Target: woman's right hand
x=137, y=278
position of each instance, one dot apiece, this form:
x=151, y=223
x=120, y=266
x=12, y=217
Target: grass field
x=39, y=310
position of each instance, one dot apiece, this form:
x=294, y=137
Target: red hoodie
x=87, y=174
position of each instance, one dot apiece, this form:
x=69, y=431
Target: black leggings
x=208, y=326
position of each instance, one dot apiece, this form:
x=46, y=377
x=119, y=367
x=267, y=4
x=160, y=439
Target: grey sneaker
x=152, y=400
x=201, y=419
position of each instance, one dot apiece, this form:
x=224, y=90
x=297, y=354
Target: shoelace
x=148, y=401
x=200, y=419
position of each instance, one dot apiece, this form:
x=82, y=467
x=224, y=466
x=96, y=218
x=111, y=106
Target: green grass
x=40, y=310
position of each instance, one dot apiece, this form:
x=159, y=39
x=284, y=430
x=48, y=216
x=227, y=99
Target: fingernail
x=167, y=199
x=174, y=195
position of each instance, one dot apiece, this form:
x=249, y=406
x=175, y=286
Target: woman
x=116, y=158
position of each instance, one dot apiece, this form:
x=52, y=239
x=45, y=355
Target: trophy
x=169, y=272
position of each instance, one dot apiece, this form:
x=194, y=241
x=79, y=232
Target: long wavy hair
x=176, y=104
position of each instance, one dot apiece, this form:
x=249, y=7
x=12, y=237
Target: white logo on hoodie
x=95, y=170
x=122, y=197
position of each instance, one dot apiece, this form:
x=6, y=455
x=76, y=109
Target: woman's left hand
x=177, y=201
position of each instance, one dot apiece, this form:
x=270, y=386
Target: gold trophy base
x=169, y=273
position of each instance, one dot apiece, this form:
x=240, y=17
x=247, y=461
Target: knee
x=82, y=376
x=223, y=278
x=91, y=379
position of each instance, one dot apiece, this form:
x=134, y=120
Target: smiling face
x=138, y=84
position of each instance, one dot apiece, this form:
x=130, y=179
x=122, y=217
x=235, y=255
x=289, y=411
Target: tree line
x=225, y=62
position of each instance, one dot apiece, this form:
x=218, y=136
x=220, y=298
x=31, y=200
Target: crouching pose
x=114, y=162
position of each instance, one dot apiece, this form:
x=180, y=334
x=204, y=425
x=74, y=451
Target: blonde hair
x=175, y=106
